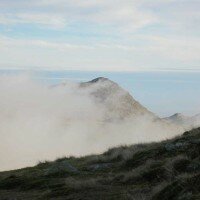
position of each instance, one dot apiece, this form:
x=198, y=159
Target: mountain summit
x=119, y=103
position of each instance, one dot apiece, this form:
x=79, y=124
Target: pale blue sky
x=100, y=35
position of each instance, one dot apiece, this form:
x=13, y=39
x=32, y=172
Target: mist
x=41, y=122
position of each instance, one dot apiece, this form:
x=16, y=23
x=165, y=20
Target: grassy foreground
x=169, y=170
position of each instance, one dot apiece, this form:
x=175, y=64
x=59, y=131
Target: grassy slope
x=169, y=170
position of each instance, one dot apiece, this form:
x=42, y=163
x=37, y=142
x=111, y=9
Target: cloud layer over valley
x=39, y=122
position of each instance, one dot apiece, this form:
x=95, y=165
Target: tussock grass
x=168, y=170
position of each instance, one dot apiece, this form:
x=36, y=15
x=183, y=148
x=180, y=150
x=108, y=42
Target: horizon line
x=91, y=70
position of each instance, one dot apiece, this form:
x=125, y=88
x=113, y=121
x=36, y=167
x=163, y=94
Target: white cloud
x=126, y=15
x=157, y=51
x=57, y=13
x=46, y=20
x=181, y=48
x=11, y=42
x=106, y=34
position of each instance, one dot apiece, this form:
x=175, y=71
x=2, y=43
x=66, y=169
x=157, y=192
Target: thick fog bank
x=39, y=122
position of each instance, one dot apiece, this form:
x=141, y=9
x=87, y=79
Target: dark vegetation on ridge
x=169, y=170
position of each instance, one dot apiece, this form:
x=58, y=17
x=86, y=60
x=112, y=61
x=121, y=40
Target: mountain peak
x=99, y=79
x=119, y=103
x=185, y=121
x=178, y=115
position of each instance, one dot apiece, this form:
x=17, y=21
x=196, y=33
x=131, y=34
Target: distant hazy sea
x=164, y=93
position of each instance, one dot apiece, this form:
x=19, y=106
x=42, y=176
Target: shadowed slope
x=168, y=170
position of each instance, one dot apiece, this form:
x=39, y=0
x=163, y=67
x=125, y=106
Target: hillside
x=186, y=122
x=168, y=170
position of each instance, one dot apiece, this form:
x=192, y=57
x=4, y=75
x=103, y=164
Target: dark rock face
x=60, y=168
x=98, y=79
x=99, y=166
x=174, y=147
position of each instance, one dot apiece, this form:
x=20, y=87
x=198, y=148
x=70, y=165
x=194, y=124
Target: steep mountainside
x=117, y=100
x=169, y=170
